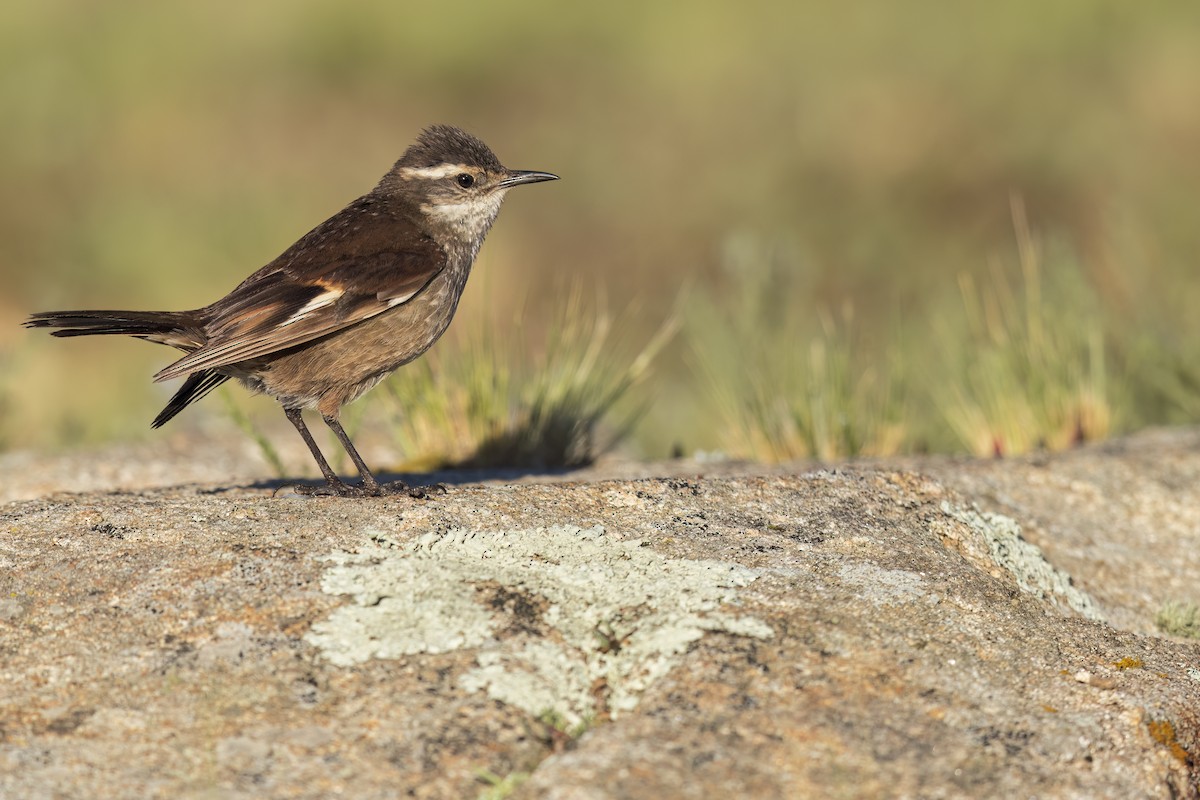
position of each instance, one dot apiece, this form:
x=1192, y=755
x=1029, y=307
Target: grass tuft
x=499, y=787
x=782, y=389
x=1179, y=619
x=511, y=397
x=1030, y=367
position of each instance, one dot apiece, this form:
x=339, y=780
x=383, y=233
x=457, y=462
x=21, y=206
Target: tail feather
x=196, y=386
x=179, y=329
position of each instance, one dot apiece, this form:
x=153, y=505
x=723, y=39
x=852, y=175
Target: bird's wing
x=349, y=269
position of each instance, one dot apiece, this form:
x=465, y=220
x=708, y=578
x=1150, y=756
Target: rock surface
x=928, y=628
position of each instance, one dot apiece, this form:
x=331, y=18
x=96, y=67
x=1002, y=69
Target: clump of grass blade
x=507, y=397
x=1160, y=363
x=1031, y=371
x=1179, y=619
x=783, y=390
x=499, y=787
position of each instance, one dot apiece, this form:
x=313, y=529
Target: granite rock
x=916, y=628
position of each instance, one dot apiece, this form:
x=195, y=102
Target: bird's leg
x=334, y=484
x=369, y=484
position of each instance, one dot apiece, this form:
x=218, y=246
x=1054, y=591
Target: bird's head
x=456, y=181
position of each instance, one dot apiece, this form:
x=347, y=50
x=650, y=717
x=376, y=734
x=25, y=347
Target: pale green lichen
x=621, y=613
x=1025, y=562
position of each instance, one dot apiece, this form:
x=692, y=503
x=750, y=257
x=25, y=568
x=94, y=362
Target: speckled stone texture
x=918, y=628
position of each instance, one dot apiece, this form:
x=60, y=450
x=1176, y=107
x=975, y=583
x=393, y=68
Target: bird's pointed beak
x=518, y=176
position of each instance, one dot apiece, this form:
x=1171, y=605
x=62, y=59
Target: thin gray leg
x=368, y=480
x=331, y=478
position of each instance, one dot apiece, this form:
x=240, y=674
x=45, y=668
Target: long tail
x=181, y=329
x=196, y=386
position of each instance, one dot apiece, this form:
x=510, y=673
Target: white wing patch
x=325, y=298
x=404, y=298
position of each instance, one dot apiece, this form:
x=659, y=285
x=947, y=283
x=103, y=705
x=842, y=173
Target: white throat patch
x=469, y=219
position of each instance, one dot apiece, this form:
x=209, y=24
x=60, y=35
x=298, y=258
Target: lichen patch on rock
x=566, y=619
x=1024, y=561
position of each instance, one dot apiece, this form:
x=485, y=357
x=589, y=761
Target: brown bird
x=365, y=292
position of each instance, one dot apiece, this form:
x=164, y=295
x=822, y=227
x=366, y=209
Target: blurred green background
x=882, y=226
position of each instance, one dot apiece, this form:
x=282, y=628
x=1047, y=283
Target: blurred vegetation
x=499, y=787
x=1031, y=371
x=1179, y=618
x=834, y=183
x=785, y=385
x=502, y=395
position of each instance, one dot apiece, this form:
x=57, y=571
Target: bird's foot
x=342, y=489
x=330, y=489
x=418, y=492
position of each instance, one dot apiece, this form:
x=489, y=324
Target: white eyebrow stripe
x=325, y=298
x=431, y=173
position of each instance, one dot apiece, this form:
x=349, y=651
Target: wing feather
x=361, y=262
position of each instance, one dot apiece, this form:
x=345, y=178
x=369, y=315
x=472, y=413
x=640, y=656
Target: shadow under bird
x=365, y=292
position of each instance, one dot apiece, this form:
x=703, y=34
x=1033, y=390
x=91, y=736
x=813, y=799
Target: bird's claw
x=342, y=489
x=421, y=492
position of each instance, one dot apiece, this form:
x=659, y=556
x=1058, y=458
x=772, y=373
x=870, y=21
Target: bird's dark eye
x=465, y=181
